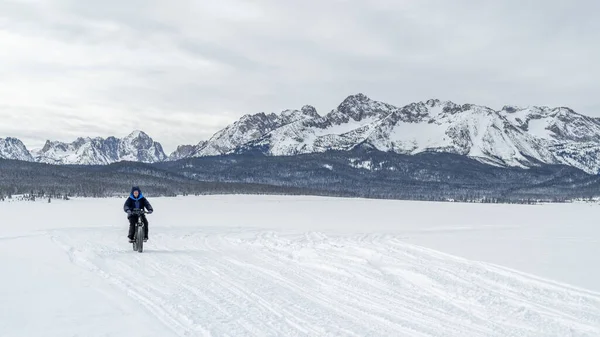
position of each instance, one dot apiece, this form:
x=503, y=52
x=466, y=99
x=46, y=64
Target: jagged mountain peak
x=12, y=140
x=257, y=117
x=186, y=151
x=284, y=117
x=511, y=109
x=13, y=148
x=543, y=110
x=307, y=111
x=359, y=107
x=310, y=111
x=436, y=102
x=426, y=111
x=137, y=134
x=291, y=116
x=356, y=98
x=138, y=139
x=47, y=145
x=432, y=102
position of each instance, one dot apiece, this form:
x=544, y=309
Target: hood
x=135, y=188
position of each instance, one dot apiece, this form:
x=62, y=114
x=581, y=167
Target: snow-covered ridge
x=137, y=146
x=251, y=127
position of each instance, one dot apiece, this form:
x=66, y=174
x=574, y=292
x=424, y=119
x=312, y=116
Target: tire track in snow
x=232, y=282
x=354, y=297
x=130, y=286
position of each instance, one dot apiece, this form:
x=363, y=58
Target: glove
x=150, y=211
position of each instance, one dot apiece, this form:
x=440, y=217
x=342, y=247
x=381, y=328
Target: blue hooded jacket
x=137, y=203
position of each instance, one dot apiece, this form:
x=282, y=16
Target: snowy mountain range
x=137, y=146
x=513, y=136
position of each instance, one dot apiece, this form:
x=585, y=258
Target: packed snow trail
x=243, y=282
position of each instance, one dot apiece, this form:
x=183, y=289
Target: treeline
x=42, y=180
x=427, y=177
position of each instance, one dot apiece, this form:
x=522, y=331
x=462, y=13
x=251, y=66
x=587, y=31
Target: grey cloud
x=197, y=60
x=218, y=52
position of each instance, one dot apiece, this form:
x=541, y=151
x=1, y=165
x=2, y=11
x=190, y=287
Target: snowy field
x=300, y=266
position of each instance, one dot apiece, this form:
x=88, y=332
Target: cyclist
x=137, y=201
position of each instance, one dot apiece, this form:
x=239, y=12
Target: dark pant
x=133, y=221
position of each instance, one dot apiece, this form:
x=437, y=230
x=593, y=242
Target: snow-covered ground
x=300, y=266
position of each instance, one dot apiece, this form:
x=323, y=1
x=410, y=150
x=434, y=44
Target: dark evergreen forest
x=359, y=173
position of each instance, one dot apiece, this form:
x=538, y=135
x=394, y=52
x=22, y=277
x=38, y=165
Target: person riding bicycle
x=137, y=201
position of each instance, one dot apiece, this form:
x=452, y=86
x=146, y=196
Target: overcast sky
x=181, y=69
